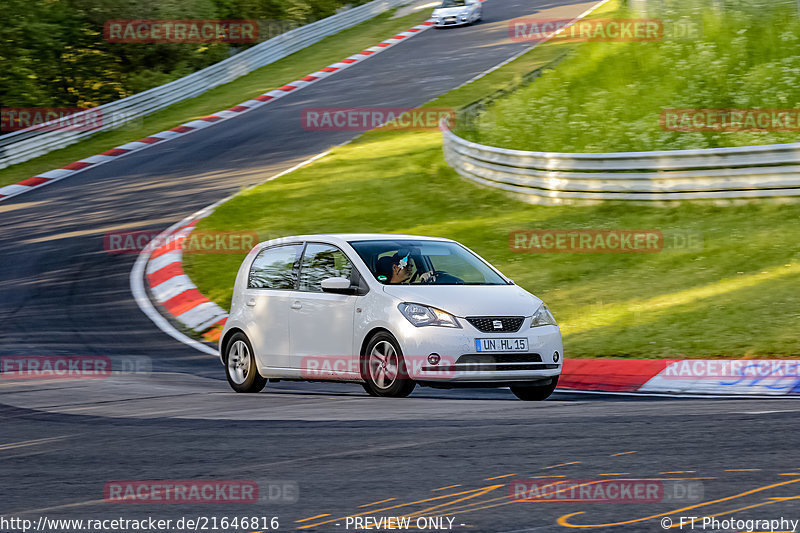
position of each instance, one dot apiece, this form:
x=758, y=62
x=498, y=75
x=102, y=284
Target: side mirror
x=340, y=285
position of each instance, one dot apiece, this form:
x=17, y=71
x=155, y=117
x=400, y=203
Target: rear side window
x=322, y=261
x=273, y=268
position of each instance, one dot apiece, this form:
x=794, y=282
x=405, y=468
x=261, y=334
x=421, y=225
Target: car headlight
x=543, y=317
x=422, y=315
x=465, y=13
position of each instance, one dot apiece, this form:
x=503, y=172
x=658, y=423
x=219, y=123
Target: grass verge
x=609, y=96
x=733, y=296
x=297, y=65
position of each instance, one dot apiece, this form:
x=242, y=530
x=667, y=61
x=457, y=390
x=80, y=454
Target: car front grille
x=499, y=358
x=495, y=363
x=488, y=324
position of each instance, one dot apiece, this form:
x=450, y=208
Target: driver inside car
x=395, y=269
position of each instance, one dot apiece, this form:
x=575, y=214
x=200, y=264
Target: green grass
x=736, y=296
x=608, y=96
x=297, y=65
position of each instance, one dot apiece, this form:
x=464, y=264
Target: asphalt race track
x=323, y=452
x=437, y=453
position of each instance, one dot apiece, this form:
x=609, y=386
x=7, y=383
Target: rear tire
x=535, y=393
x=384, y=368
x=240, y=365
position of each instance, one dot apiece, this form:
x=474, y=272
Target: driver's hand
x=427, y=277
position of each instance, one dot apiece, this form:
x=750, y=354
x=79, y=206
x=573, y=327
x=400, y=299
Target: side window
x=273, y=268
x=322, y=261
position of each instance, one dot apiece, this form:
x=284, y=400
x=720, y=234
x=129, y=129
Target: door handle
x=297, y=305
x=251, y=302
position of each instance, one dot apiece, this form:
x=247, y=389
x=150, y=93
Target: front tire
x=384, y=368
x=240, y=365
x=535, y=393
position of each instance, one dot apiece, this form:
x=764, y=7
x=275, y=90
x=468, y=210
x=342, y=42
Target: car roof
x=341, y=238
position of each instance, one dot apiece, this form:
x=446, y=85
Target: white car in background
x=457, y=13
x=387, y=311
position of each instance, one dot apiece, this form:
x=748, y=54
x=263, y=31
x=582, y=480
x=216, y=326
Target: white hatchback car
x=387, y=311
x=457, y=13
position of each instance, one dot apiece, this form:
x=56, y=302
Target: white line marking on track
x=22, y=444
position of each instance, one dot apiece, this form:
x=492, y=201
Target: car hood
x=469, y=300
x=450, y=11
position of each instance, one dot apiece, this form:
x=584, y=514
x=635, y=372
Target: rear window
x=273, y=268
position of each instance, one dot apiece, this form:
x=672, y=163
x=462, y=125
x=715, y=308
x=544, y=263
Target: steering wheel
x=435, y=275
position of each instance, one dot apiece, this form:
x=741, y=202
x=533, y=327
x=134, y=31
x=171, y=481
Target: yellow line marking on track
x=24, y=443
x=679, y=472
x=311, y=518
x=498, y=477
x=723, y=513
x=621, y=453
x=563, y=519
x=468, y=508
x=790, y=474
x=744, y=470
x=403, y=505
x=509, y=500
x=562, y=464
x=447, y=487
x=663, y=478
x=425, y=511
x=376, y=503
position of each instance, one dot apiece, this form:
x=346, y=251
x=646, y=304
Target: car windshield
x=418, y=262
x=454, y=3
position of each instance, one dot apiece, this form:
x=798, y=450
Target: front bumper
x=460, y=362
x=442, y=22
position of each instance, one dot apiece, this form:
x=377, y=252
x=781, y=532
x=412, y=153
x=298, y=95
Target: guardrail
x=551, y=177
x=23, y=145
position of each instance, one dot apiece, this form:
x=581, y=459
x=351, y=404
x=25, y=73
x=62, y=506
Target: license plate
x=501, y=345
